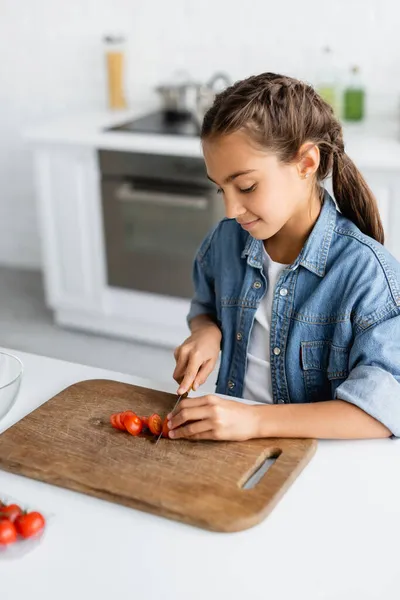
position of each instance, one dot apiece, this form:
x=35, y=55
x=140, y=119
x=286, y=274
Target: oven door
x=153, y=232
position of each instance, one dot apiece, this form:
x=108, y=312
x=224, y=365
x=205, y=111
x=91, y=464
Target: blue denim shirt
x=335, y=331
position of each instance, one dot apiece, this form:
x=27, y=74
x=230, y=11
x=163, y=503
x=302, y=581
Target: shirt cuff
x=376, y=392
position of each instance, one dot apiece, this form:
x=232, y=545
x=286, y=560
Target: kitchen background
x=54, y=66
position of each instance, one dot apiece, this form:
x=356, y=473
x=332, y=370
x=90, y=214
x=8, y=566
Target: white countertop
x=334, y=535
x=372, y=144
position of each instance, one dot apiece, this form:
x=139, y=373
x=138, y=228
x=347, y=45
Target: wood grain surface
x=69, y=442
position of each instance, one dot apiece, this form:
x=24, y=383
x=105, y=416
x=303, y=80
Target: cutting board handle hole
x=261, y=470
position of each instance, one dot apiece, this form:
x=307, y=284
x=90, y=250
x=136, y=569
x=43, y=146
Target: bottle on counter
x=354, y=97
x=115, y=63
x=327, y=84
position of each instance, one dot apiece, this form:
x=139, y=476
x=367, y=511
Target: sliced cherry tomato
x=165, y=428
x=8, y=532
x=116, y=422
x=155, y=424
x=10, y=512
x=29, y=524
x=133, y=424
x=126, y=413
x=145, y=421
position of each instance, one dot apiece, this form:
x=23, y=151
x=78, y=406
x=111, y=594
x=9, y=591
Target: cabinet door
x=71, y=226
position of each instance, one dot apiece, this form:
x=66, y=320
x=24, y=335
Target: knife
x=181, y=397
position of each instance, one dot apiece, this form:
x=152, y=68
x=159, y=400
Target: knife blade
x=181, y=397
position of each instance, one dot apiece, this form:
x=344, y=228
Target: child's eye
x=248, y=190
x=220, y=191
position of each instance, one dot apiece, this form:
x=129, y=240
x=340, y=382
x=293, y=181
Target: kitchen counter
x=372, y=144
x=333, y=535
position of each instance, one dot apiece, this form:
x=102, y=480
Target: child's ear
x=308, y=160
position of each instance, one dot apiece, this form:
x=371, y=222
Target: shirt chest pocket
x=324, y=367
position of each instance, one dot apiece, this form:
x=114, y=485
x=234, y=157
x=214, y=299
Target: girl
x=302, y=300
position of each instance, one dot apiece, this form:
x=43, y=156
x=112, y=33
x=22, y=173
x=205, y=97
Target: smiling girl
x=295, y=290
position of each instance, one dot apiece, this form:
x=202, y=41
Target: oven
x=156, y=211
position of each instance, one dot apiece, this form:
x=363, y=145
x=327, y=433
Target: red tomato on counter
x=8, y=532
x=29, y=524
x=10, y=512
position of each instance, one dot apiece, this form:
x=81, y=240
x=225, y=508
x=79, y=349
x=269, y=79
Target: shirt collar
x=314, y=253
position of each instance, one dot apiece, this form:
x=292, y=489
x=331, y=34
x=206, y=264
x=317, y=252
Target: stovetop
x=160, y=124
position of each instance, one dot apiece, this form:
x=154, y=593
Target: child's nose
x=233, y=208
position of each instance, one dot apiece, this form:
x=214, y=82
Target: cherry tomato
x=165, y=428
x=145, y=421
x=127, y=413
x=8, y=532
x=10, y=512
x=116, y=422
x=155, y=424
x=133, y=424
x=29, y=524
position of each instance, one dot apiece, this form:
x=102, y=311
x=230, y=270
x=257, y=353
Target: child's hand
x=196, y=357
x=211, y=418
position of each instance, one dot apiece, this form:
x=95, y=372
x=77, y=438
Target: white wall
x=52, y=63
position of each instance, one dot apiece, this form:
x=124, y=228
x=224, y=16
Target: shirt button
x=277, y=351
x=231, y=385
x=257, y=285
x=283, y=292
x=239, y=336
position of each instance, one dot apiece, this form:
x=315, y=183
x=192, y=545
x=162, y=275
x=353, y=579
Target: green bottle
x=327, y=79
x=354, y=98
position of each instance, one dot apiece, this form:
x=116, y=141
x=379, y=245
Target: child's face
x=265, y=198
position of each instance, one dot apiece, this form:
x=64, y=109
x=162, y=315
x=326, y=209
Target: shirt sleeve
x=373, y=383
x=203, y=301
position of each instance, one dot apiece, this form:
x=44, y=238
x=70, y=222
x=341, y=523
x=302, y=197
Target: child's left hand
x=212, y=418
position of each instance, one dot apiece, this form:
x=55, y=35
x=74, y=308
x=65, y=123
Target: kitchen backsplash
x=57, y=65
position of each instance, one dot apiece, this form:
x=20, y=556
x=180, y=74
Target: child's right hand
x=196, y=357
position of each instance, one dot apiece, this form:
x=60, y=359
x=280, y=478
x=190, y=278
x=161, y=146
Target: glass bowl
x=11, y=369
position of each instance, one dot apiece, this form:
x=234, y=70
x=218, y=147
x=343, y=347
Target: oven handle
x=127, y=193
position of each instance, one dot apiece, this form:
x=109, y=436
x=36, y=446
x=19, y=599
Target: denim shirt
x=335, y=330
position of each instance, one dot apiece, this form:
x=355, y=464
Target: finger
x=205, y=435
x=203, y=373
x=192, y=429
x=190, y=374
x=181, y=366
x=192, y=403
x=196, y=413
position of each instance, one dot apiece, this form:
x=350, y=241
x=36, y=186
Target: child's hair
x=280, y=113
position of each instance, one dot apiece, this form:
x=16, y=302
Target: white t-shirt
x=257, y=382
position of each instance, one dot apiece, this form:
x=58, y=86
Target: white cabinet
x=70, y=226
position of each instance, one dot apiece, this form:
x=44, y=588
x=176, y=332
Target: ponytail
x=354, y=198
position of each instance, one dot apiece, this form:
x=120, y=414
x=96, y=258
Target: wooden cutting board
x=69, y=442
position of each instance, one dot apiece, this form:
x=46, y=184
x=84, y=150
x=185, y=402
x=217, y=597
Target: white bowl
x=11, y=369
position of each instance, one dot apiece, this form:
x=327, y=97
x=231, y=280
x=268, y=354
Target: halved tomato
x=145, y=421
x=133, y=424
x=155, y=424
x=165, y=428
x=116, y=421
